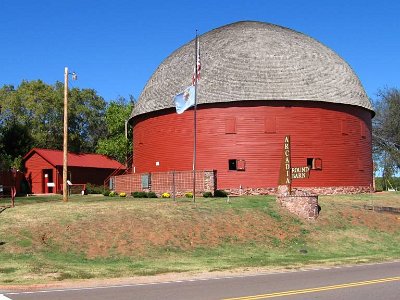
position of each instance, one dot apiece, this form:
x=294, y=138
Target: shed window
x=237, y=165
x=314, y=163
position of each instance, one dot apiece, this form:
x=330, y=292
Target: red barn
x=44, y=169
x=259, y=82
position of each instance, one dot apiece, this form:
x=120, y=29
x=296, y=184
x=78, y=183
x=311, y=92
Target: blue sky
x=115, y=46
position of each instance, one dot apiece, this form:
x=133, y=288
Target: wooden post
x=285, y=173
x=173, y=184
x=65, y=145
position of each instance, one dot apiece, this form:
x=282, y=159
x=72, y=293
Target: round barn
x=259, y=83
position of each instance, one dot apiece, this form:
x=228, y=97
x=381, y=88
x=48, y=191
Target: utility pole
x=65, y=144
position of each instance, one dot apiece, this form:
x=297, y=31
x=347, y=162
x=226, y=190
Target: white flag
x=185, y=99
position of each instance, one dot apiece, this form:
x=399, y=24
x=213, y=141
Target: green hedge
x=220, y=193
x=94, y=189
x=207, y=194
x=151, y=195
x=140, y=194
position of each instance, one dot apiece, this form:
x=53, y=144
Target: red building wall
x=34, y=167
x=338, y=134
x=6, y=181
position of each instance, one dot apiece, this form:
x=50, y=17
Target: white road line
x=197, y=279
x=2, y=297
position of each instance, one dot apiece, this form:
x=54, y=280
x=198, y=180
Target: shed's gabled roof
x=84, y=160
x=247, y=61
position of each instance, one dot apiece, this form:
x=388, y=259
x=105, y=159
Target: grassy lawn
x=45, y=240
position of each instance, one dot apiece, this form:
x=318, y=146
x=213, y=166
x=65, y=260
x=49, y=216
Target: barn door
x=48, y=183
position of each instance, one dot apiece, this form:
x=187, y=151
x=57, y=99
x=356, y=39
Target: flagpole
x=194, y=120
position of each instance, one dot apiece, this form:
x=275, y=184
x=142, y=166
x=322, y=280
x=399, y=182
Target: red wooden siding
x=331, y=132
x=34, y=167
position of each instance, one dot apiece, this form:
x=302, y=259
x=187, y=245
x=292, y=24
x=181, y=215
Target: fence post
x=173, y=183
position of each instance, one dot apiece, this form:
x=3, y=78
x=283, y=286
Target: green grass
x=46, y=240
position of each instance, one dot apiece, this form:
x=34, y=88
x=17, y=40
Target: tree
x=115, y=144
x=85, y=120
x=32, y=116
x=15, y=140
x=386, y=132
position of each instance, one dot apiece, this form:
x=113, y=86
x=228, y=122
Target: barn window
x=230, y=125
x=344, y=127
x=314, y=163
x=139, y=139
x=363, y=130
x=360, y=164
x=270, y=125
x=237, y=165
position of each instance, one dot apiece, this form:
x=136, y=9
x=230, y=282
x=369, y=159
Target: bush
x=112, y=194
x=189, y=195
x=220, y=193
x=207, y=194
x=106, y=193
x=166, y=195
x=122, y=194
x=139, y=194
x=151, y=195
x=94, y=189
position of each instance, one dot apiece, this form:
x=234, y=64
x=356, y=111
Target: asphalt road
x=366, y=282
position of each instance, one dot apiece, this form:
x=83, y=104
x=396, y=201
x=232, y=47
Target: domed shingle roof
x=254, y=61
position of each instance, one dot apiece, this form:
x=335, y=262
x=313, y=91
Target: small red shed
x=44, y=169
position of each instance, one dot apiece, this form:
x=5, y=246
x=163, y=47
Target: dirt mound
x=126, y=233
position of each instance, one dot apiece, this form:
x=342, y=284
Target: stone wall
x=300, y=203
x=311, y=190
x=305, y=206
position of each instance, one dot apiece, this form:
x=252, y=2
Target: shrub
x=94, y=189
x=220, y=193
x=166, y=195
x=106, y=193
x=122, y=194
x=207, y=194
x=139, y=194
x=151, y=195
x=112, y=194
x=189, y=195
